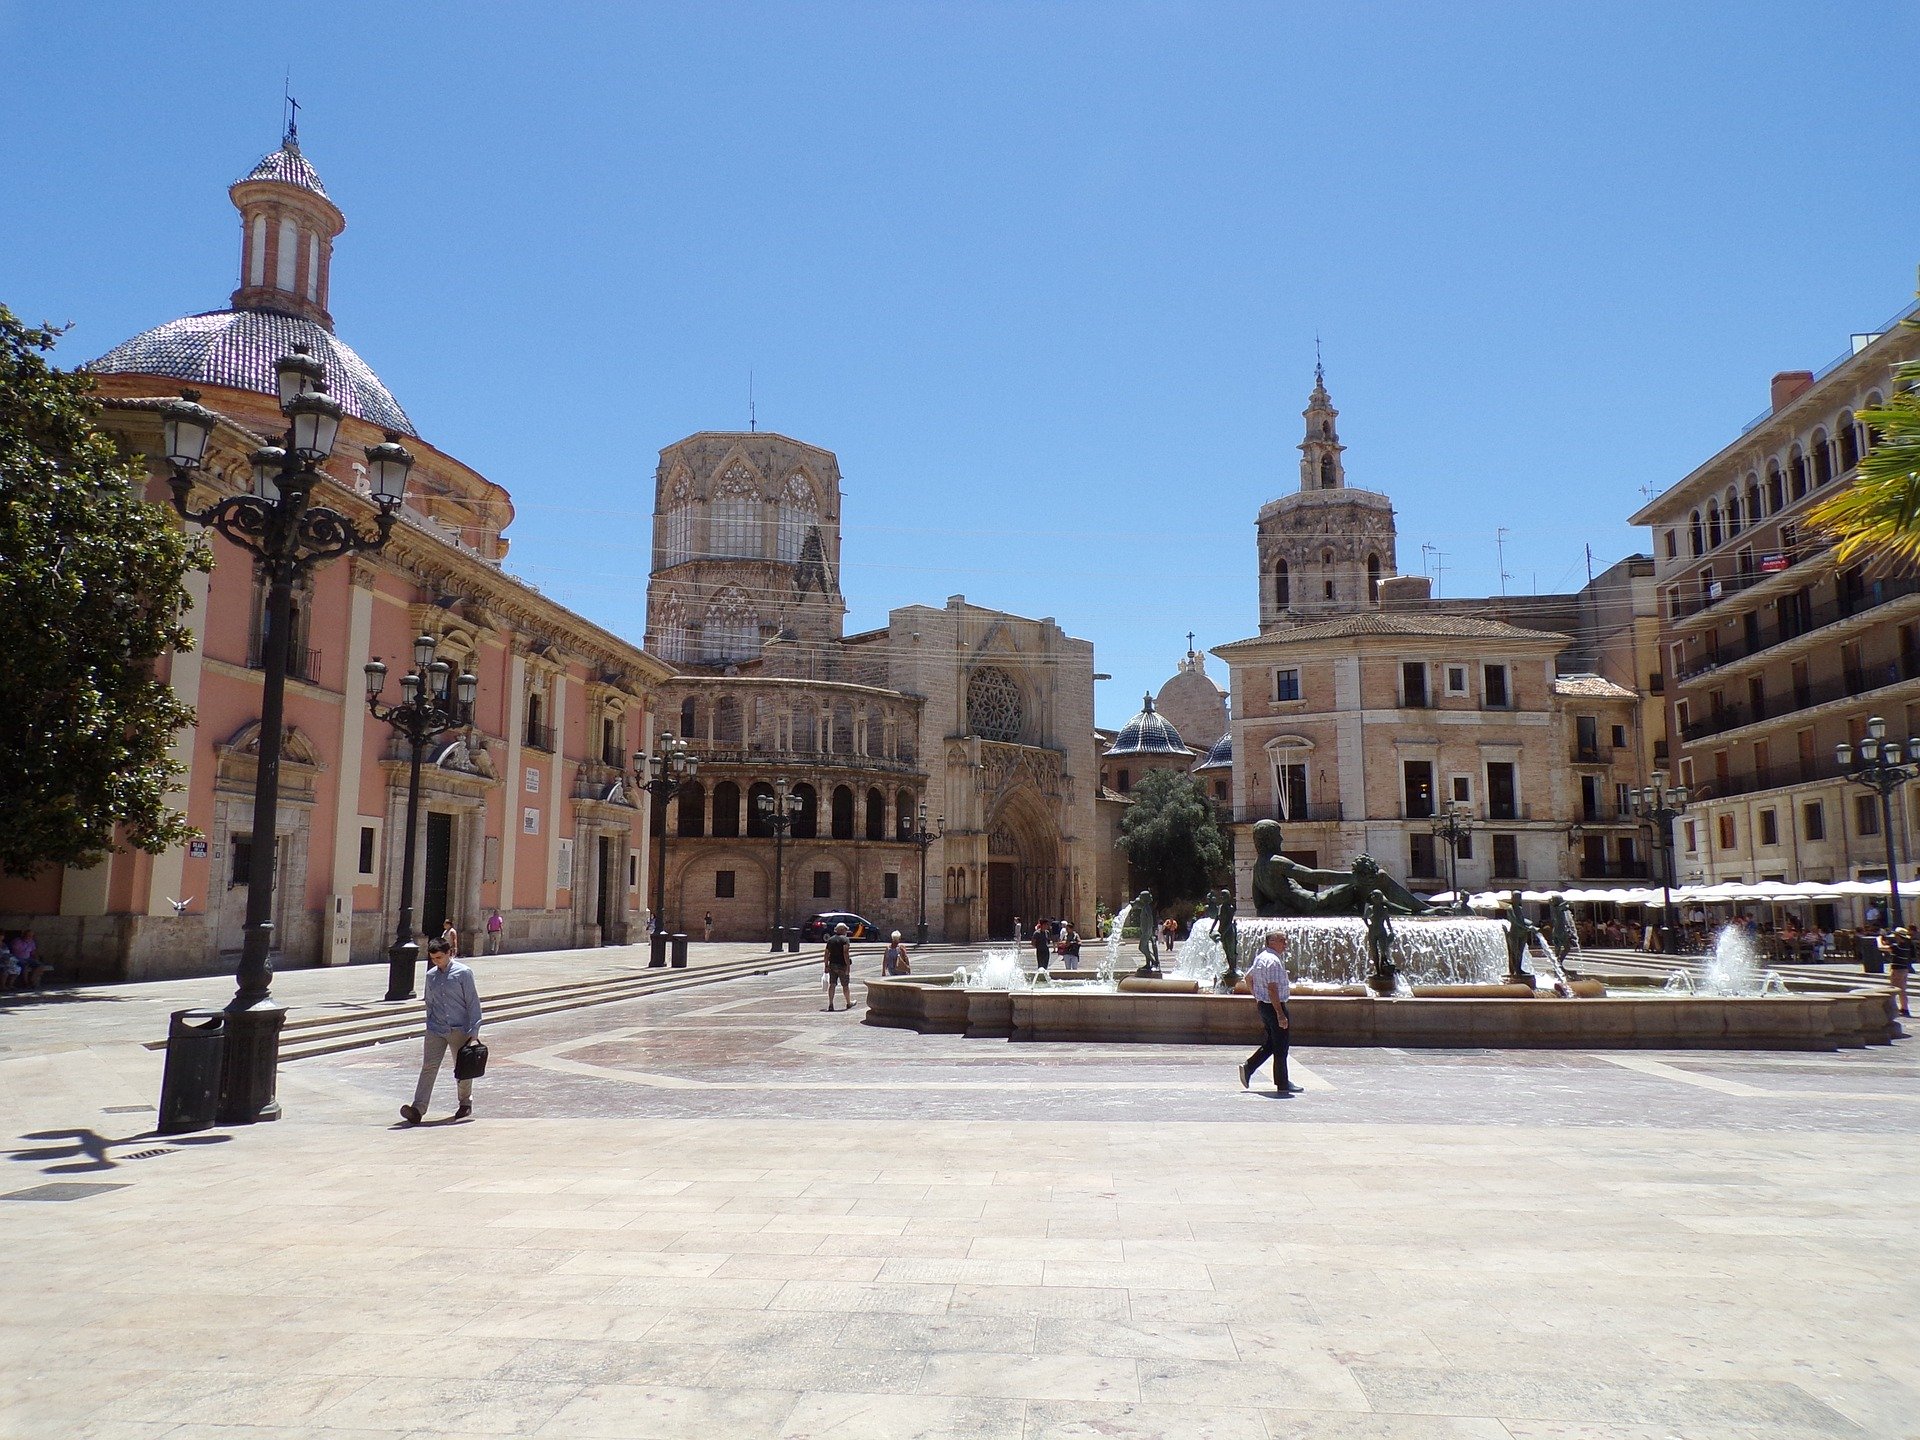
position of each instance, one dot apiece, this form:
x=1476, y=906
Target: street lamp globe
x=298, y=374
x=188, y=428
x=316, y=424
x=468, y=686
x=423, y=649
x=1843, y=755
x=376, y=678
x=388, y=465
x=267, y=462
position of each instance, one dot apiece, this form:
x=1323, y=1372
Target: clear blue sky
x=1046, y=277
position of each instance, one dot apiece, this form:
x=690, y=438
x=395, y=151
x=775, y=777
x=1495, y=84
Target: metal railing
x=1615, y=870
x=1904, y=667
x=1296, y=814
x=1727, y=586
x=538, y=737
x=1873, y=595
x=302, y=663
x=814, y=759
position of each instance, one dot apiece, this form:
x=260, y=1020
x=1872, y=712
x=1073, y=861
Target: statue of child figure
x=1384, y=978
x=1223, y=931
x=1149, y=923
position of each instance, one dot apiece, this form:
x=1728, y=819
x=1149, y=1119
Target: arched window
x=1872, y=436
x=1776, y=488
x=727, y=728
x=736, y=517
x=679, y=524
x=806, y=820
x=876, y=815
x=1714, y=533
x=732, y=632
x=1754, y=512
x=842, y=812
x=843, y=729
x=1326, y=472
x=689, y=716
x=1282, y=585
x=758, y=820
x=1797, y=473
x=670, y=633
x=1694, y=533
x=799, y=512
x=1849, y=443
x=693, y=809
x=1733, y=512
x=726, y=809
x=903, y=816
x=1373, y=578
x=1822, y=459
x=536, y=735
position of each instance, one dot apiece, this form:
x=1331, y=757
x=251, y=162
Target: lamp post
x=924, y=837
x=1883, y=765
x=777, y=811
x=1658, y=805
x=280, y=526
x=432, y=703
x=671, y=765
x=1452, y=826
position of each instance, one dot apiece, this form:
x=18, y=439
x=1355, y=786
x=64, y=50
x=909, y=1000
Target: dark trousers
x=1042, y=953
x=1274, y=1045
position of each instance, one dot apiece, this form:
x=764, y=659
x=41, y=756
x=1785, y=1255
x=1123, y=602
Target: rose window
x=993, y=704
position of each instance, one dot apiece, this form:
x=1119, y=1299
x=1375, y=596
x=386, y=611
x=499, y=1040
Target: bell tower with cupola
x=287, y=230
x=1325, y=548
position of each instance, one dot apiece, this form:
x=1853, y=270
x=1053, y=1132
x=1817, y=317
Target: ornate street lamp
x=1450, y=828
x=924, y=837
x=1657, y=806
x=432, y=703
x=1883, y=766
x=280, y=526
x=671, y=765
x=777, y=811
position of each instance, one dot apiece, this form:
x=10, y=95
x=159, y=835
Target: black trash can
x=190, y=1086
x=657, y=950
x=793, y=940
x=1866, y=949
x=679, y=952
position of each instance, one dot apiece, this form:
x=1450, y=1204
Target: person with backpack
x=839, y=964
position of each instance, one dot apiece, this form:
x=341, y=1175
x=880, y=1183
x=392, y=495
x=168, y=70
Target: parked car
x=820, y=926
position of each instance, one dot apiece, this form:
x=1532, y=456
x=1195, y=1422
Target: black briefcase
x=471, y=1062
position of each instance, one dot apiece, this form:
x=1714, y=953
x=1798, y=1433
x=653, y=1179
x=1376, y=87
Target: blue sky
x=1046, y=277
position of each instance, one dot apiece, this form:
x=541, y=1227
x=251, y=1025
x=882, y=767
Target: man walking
x=453, y=1018
x=1267, y=978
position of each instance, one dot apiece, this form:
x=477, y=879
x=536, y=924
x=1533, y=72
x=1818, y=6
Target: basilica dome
x=1220, y=756
x=237, y=348
x=1147, y=733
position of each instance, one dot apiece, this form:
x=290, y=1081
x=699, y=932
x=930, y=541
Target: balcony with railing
x=538, y=736
x=1852, y=685
x=1792, y=627
x=1769, y=777
x=1615, y=870
x=1294, y=814
x=1725, y=587
x=302, y=663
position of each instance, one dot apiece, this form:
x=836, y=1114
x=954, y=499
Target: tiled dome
x=1148, y=734
x=288, y=166
x=238, y=348
x=1220, y=757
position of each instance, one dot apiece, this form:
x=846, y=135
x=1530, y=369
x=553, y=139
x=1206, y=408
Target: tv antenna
x=753, y=421
x=1500, y=548
x=1439, y=566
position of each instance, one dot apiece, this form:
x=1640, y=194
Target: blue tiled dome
x=1220, y=757
x=1148, y=734
x=238, y=348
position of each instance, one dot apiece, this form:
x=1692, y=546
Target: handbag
x=471, y=1061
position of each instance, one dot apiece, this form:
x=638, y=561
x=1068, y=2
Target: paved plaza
x=720, y=1212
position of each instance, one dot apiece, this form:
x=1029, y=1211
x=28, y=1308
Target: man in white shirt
x=1267, y=978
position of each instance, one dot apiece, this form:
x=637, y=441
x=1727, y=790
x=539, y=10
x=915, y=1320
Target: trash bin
x=679, y=952
x=657, y=949
x=793, y=940
x=190, y=1086
x=1866, y=949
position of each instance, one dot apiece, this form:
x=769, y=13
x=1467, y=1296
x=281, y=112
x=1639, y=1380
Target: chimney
x=1789, y=386
x=1405, y=590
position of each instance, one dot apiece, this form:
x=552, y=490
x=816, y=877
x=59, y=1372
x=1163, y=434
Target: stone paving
x=721, y=1212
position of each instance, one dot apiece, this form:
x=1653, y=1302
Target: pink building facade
x=531, y=810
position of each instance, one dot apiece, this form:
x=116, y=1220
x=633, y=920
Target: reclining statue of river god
x=1286, y=887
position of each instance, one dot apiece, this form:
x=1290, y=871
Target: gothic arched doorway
x=1024, y=878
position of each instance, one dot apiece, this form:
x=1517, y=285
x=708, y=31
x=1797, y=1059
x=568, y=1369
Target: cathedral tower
x=1325, y=549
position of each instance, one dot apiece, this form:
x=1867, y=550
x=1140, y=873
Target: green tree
x=1879, y=514
x=1173, y=839
x=91, y=595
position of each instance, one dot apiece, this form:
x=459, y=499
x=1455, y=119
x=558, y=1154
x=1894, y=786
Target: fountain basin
x=1540, y=1020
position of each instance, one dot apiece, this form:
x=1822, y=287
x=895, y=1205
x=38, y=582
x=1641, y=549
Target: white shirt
x=1267, y=978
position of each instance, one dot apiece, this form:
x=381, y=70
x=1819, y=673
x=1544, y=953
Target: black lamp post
x=924, y=837
x=432, y=703
x=1450, y=828
x=1658, y=806
x=777, y=811
x=288, y=535
x=671, y=765
x=1884, y=766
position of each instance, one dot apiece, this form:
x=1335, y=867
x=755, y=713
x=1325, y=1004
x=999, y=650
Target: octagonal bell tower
x=1325, y=549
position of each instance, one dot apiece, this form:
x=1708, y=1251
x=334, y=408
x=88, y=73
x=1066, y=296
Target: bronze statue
x=1380, y=946
x=1143, y=916
x=1223, y=931
x=1286, y=887
x=1560, y=931
x=1520, y=936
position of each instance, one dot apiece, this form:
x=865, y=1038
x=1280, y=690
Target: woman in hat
x=1897, y=945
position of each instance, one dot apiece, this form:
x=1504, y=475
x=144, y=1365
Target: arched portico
x=1024, y=875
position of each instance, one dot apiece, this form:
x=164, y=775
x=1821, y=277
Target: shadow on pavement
x=91, y=1152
